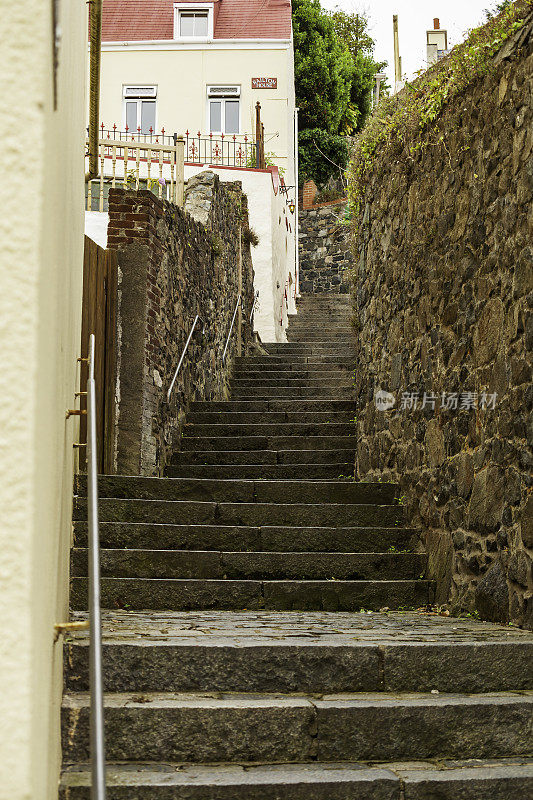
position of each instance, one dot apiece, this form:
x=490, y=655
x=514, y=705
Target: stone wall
x=326, y=261
x=443, y=295
x=173, y=265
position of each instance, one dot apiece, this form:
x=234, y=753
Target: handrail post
x=239, y=301
x=97, y=739
x=180, y=171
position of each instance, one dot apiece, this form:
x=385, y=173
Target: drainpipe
x=94, y=87
x=296, y=210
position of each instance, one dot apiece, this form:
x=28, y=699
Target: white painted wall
x=182, y=73
x=41, y=229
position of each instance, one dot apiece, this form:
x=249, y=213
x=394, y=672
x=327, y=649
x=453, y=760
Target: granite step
x=279, y=472
x=333, y=379
x=227, y=443
x=177, y=594
x=267, y=457
x=256, y=566
x=165, y=536
x=268, y=417
x=210, y=728
x=327, y=428
x=307, y=652
x=180, y=512
x=303, y=392
x=507, y=779
x=240, y=491
x=296, y=406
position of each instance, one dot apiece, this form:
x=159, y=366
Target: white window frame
x=150, y=98
x=223, y=98
x=192, y=8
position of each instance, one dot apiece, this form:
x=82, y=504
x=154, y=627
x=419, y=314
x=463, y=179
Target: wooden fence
x=99, y=314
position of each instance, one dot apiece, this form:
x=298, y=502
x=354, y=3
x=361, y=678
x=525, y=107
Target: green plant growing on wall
x=402, y=122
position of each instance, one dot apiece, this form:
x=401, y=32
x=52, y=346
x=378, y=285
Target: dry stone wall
x=444, y=297
x=175, y=264
x=326, y=259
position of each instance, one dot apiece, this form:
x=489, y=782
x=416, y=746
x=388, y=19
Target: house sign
x=264, y=83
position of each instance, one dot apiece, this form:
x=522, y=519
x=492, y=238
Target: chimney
x=436, y=24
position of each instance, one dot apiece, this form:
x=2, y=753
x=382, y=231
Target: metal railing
x=97, y=740
x=174, y=379
x=238, y=303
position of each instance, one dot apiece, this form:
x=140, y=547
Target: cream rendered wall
x=40, y=307
x=182, y=74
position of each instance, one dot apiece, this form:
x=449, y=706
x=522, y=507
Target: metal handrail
x=239, y=302
x=254, y=303
x=174, y=379
x=97, y=740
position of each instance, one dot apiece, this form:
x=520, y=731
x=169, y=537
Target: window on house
x=224, y=110
x=193, y=24
x=140, y=108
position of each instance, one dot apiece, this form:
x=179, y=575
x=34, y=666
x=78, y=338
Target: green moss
x=405, y=120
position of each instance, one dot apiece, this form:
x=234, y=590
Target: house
x=220, y=74
x=43, y=46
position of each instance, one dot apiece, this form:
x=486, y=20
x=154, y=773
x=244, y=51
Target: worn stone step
x=305, y=392
x=221, y=565
x=241, y=491
x=279, y=472
x=323, y=372
x=274, y=514
x=278, y=457
x=337, y=380
x=296, y=361
x=147, y=536
x=302, y=428
x=268, y=417
x=506, y=779
x=268, y=442
x=174, y=594
x=310, y=349
x=311, y=332
x=302, y=652
x=296, y=406
x=284, y=728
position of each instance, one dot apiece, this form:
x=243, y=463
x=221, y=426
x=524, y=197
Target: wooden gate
x=99, y=317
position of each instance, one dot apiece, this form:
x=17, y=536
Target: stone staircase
x=245, y=653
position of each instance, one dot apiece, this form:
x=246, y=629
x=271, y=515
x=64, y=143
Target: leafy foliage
x=321, y=153
x=403, y=121
x=334, y=74
x=322, y=68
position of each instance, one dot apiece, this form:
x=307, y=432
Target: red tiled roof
x=145, y=20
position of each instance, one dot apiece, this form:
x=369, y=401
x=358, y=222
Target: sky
x=414, y=18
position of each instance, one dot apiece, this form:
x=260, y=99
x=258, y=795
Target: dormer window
x=193, y=23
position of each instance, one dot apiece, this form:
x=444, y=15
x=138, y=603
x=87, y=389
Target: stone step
x=304, y=392
x=272, y=457
x=509, y=779
x=243, y=728
x=222, y=565
x=298, y=361
x=278, y=472
x=311, y=349
x=161, y=536
x=176, y=594
x=180, y=512
x=295, y=372
x=306, y=652
x=312, y=332
x=296, y=406
x=285, y=429
x=268, y=417
x=241, y=491
x=226, y=443
x=335, y=380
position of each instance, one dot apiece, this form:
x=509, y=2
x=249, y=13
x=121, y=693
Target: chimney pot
x=436, y=24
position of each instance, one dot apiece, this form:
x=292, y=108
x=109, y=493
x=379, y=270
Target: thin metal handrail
x=254, y=303
x=97, y=739
x=239, y=301
x=174, y=379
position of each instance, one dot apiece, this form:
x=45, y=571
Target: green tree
x=323, y=68
x=497, y=8
x=352, y=29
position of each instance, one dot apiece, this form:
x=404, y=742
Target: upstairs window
x=193, y=22
x=194, y=25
